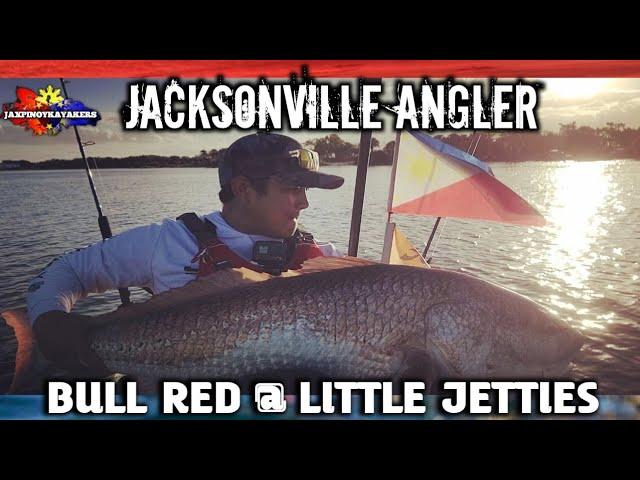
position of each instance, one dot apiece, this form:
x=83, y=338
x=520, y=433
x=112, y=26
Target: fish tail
x=25, y=356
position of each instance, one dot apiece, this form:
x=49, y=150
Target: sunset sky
x=587, y=101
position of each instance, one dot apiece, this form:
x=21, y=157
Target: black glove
x=64, y=339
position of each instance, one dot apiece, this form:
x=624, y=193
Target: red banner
x=319, y=68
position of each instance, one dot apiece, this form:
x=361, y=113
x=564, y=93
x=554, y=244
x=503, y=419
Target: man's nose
x=302, y=201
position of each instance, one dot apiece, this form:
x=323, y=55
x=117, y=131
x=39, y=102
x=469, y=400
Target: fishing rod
x=103, y=221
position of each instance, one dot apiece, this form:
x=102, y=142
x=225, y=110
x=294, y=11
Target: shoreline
x=337, y=164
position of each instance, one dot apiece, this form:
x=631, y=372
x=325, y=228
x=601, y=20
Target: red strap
x=214, y=256
x=304, y=252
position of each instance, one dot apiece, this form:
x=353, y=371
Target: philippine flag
x=433, y=178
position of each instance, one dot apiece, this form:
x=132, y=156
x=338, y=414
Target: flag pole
x=358, y=194
x=103, y=221
x=388, y=234
x=433, y=233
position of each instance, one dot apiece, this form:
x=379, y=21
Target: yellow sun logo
x=49, y=96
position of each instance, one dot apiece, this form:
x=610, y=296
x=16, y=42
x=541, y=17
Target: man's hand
x=64, y=339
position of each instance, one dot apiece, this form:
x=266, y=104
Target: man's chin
x=282, y=230
x=290, y=229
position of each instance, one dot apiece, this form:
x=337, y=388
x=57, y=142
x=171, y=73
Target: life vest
x=214, y=255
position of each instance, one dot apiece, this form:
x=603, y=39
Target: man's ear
x=241, y=188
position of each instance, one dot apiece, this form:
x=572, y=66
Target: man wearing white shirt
x=263, y=180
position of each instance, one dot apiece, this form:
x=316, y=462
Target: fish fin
x=417, y=361
x=321, y=264
x=421, y=364
x=26, y=352
x=198, y=289
x=116, y=377
x=120, y=379
x=417, y=364
x=218, y=283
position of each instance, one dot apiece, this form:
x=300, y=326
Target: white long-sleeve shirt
x=153, y=256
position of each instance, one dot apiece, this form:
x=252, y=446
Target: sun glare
x=575, y=87
x=580, y=193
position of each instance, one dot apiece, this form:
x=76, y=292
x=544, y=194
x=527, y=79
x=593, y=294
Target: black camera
x=272, y=255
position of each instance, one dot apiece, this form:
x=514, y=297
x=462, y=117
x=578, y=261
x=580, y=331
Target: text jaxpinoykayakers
x=339, y=397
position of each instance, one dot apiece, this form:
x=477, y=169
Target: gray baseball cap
x=262, y=155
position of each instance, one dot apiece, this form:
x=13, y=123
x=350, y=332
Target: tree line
x=615, y=140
